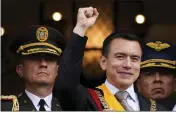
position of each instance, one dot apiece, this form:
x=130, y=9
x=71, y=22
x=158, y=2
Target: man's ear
x=103, y=63
x=175, y=84
x=19, y=70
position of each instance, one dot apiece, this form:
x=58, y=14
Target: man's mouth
x=158, y=91
x=125, y=74
x=43, y=73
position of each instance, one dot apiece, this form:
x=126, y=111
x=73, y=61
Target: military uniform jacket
x=25, y=104
x=169, y=102
x=72, y=95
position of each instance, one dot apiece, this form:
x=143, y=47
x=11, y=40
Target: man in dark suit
x=39, y=49
x=157, y=76
x=121, y=56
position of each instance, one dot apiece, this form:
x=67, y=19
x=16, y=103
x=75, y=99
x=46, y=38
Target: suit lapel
x=143, y=103
x=55, y=105
x=25, y=103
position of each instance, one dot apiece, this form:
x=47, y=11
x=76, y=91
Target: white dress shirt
x=174, y=108
x=132, y=100
x=35, y=100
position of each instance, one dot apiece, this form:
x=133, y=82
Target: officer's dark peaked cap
x=38, y=39
x=158, y=53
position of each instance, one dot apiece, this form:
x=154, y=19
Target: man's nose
x=43, y=62
x=127, y=63
x=157, y=76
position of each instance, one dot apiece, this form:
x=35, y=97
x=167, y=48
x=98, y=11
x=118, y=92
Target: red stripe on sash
x=95, y=98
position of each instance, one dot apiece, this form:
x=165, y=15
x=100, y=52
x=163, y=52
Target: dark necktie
x=42, y=103
x=122, y=97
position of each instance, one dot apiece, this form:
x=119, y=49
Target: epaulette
x=13, y=98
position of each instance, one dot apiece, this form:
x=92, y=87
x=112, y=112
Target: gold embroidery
x=158, y=65
x=42, y=34
x=153, y=105
x=24, y=53
x=41, y=49
x=15, y=106
x=38, y=44
x=34, y=49
x=52, y=50
x=158, y=45
x=167, y=65
x=148, y=65
x=159, y=60
x=103, y=102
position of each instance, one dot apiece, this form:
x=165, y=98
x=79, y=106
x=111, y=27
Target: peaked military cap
x=158, y=54
x=38, y=39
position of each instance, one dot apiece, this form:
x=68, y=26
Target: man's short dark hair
x=122, y=35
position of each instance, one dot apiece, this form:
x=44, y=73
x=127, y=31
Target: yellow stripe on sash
x=110, y=99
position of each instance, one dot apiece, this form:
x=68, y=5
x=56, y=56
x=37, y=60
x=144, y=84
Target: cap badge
x=158, y=45
x=42, y=34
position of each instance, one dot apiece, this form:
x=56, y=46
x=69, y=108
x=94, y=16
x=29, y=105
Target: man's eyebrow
x=120, y=53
